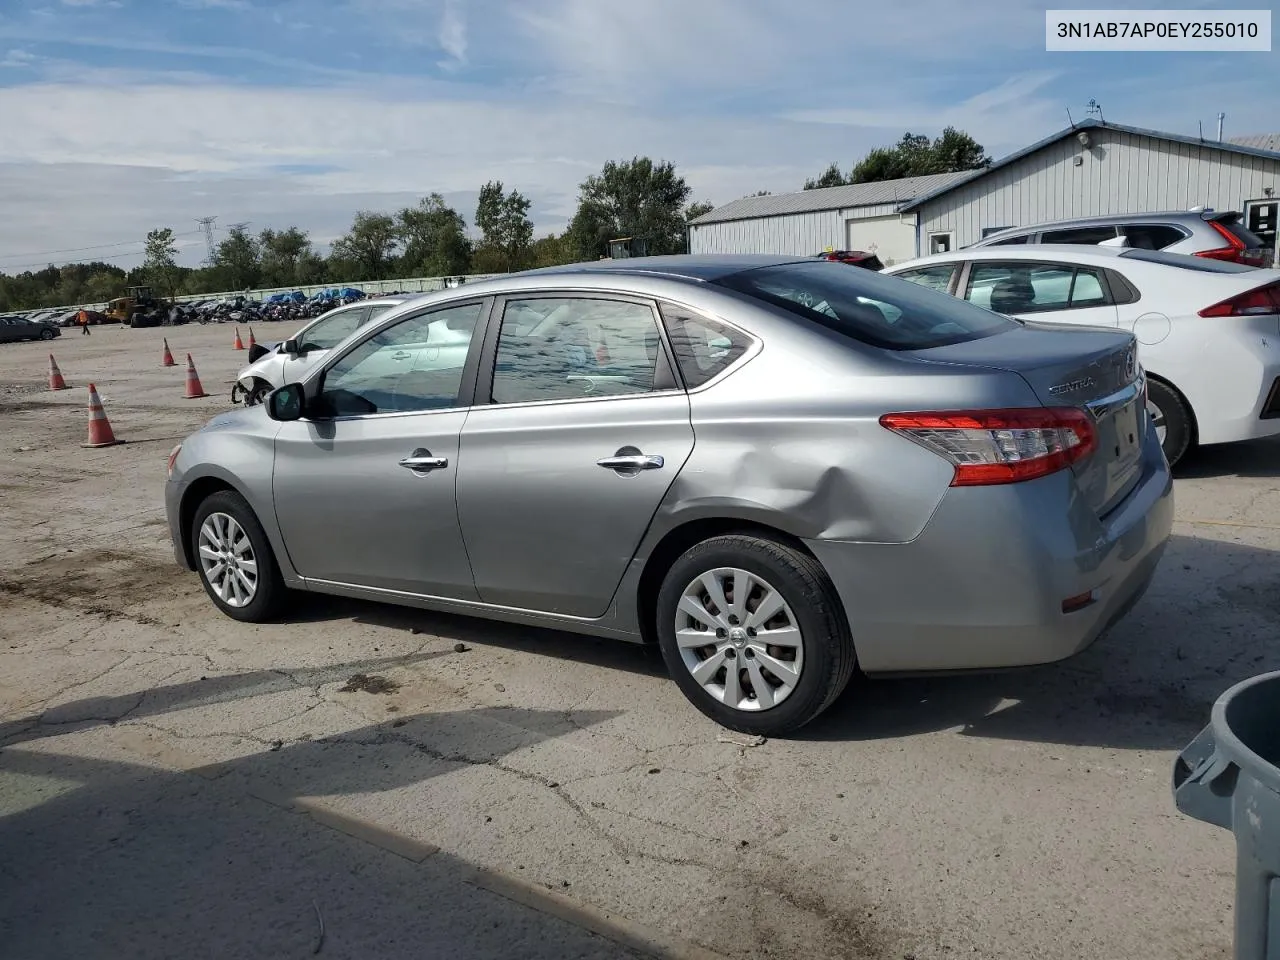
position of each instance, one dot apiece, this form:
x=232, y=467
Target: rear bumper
x=1229, y=377
x=982, y=586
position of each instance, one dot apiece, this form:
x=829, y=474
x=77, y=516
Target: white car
x=1208, y=331
x=272, y=366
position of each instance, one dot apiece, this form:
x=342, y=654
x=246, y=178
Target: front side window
x=1020, y=287
x=703, y=348
x=413, y=365
x=936, y=277
x=327, y=332
x=565, y=348
x=870, y=307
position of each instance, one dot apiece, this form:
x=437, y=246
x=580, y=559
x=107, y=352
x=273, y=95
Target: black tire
x=258, y=393
x=270, y=595
x=47, y=334
x=1172, y=412
x=829, y=657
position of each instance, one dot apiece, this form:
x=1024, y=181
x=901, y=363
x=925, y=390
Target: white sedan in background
x=273, y=366
x=1208, y=332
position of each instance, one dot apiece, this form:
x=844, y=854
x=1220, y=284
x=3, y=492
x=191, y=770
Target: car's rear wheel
x=753, y=633
x=235, y=560
x=1171, y=418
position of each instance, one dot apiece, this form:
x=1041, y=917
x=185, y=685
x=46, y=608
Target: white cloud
x=18, y=59
x=453, y=33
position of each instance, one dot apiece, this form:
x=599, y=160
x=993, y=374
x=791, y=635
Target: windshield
x=879, y=310
x=1187, y=262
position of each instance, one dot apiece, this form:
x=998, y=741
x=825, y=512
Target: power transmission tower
x=206, y=224
x=238, y=226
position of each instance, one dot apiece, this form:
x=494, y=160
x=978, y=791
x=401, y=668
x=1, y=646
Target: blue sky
x=122, y=115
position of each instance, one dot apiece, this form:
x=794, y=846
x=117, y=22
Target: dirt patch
x=367, y=683
x=105, y=583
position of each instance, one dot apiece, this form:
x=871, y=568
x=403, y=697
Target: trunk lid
x=1070, y=366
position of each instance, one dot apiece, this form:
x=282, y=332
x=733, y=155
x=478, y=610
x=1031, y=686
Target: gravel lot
x=174, y=783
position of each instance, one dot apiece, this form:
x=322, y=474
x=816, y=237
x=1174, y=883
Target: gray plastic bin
x=1230, y=776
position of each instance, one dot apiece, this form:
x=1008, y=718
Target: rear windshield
x=880, y=310
x=1187, y=262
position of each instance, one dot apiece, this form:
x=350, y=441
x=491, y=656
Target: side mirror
x=286, y=403
x=290, y=347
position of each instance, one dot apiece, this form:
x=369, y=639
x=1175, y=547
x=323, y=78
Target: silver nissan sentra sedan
x=778, y=470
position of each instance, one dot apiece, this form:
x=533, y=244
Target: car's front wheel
x=753, y=633
x=235, y=560
x=47, y=334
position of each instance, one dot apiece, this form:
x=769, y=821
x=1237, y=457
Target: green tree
x=284, y=255
x=505, y=228
x=631, y=198
x=913, y=155
x=366, y=251
x=697, y=209
x=551, y=251
x=238, y=259
x=159, y=265
x=830, y=177
x=435, y=239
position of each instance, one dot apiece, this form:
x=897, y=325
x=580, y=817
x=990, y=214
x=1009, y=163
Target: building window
x=940, y=242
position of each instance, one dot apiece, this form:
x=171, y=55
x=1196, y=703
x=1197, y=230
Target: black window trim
x=1102, y=272
x=313, y=385
x=482, y=392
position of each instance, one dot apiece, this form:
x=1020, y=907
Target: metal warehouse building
x=864, y=216
x=1090, y=169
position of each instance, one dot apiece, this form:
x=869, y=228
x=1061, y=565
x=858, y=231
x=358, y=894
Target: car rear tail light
x=990, y=447
x=1258, y=301
x=1233, y=251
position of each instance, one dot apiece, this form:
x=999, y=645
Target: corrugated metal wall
x=799, y=234
x=1120, y=173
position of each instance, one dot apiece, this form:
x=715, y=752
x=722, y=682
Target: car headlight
x=173, y=458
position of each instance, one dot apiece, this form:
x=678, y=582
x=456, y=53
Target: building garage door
x=889, y=238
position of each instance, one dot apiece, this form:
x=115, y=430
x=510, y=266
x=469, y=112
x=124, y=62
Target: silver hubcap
x=739, y=639
x=226, y=557
x=1157, y=420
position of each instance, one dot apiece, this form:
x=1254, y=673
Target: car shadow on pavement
x=110, y=858
x=1251, y=458
x=556, y=644
x=207, y=691
x=1208, y=621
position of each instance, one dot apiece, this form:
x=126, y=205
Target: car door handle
x=401, y=355
x=417, y=463
x=637, y=461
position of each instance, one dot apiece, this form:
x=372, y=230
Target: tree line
x=627, y=198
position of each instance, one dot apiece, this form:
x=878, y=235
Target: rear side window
x=878, y=310
x=937, y=277
x=1093, y=235
x=1152, y=236
x=1022, y=287
x=1021, y=239
x=704, y=348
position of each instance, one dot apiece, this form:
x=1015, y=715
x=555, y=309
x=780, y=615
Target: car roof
x=701, y=267
x=1074, y=252
x=1109, y=219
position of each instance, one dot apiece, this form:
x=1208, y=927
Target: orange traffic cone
x=55, y=375
x=238, y=345
x=252, y=342
x=168, y=360
x=100, y=434
x=194, y=390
